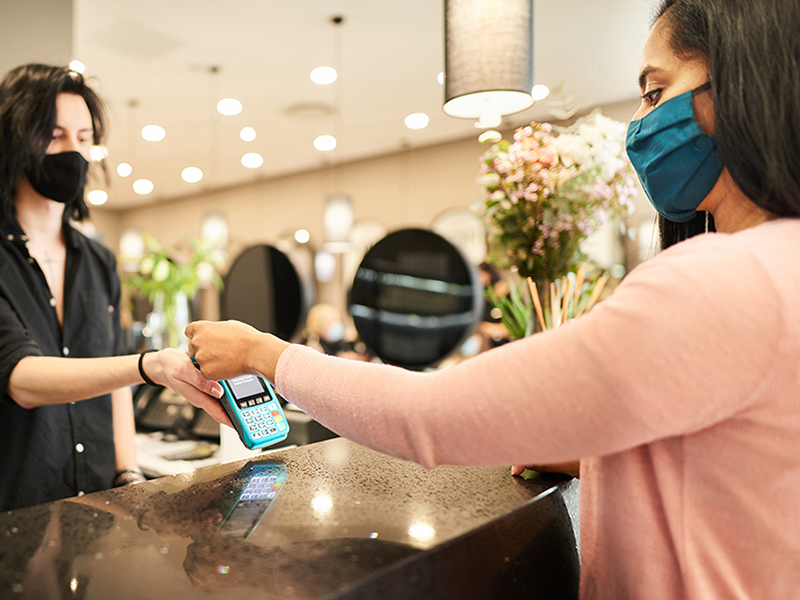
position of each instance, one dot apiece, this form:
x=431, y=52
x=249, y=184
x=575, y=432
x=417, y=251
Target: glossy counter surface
x=332, y=520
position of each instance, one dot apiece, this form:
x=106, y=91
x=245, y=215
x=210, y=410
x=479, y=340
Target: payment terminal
x=254, y=410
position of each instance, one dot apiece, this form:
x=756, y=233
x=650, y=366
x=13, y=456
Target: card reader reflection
x=261, y=483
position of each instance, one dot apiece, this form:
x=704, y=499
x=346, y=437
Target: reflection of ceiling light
x=153, y=133
x=131, y=244
x=191, y=174
x=321, y=503
x=143, y=186
x=417, y=121
x=488, y=120
x=97, y=197
x=540, y=91
x=421, y=531
x=325, y=143
x=124, y=169
x=440, y=78
x=252, y=160
x=98, y=153
x=323, y=75
x=490, y=135
x=215, y=228
x=301, y=236
x=324, y=266
x=248, y=134
x=77, y=66
x=229, y=107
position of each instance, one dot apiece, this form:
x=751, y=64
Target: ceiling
x=152, y=60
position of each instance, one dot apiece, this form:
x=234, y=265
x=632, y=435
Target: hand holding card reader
x=254, y=410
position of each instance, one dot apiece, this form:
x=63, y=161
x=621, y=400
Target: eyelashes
x=652, y=97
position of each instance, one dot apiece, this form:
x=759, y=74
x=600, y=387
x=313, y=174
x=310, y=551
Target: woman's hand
x=568, y=468
x=229, y=349
x=176, y=371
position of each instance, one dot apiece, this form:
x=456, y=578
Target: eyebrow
x=645, y=72
x=85, y=129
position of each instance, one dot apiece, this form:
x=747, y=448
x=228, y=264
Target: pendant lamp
x=488, y=57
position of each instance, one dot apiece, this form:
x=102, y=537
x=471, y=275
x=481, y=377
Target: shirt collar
x=13, y=233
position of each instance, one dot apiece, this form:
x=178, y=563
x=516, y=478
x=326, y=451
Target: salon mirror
x=266, y=287
x=415, y=298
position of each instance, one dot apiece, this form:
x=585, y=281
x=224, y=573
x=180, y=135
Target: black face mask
x=62, y=176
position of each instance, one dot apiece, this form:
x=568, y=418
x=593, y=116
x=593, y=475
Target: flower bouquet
x=546, y=192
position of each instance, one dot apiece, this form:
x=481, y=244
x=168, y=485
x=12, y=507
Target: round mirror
x=265, y=289
x=415, y=298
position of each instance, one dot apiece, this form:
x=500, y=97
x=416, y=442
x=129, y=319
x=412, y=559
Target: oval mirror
x=264, y=288
x=415, y=298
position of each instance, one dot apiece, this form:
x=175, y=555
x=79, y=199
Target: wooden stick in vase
x=578, y=286
x=536, y=302
x=598, y=288
x=567, y=297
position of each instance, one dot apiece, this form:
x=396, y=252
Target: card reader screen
x=245, y=386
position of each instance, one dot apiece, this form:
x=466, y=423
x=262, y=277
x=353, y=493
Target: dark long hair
x=27, y=120
x=753, y=51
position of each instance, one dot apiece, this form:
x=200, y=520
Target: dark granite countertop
x=335, y=520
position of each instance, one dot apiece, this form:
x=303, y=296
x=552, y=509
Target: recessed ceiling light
x=252, y=160
x=323, y=75
x=229, y=107
x=417, y=121
x=248, y=134
x=325, y=143
x=97, y=197
x=77, y=66
x=153, y=133
x=98, y=153
x=440, y=78
x=301, y=236
x=191, y=174
x=143, y=186
x=540, y=91
x=124, y=169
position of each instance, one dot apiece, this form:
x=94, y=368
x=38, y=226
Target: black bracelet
x=146, y=379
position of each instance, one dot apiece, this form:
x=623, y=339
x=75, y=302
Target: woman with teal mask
x=678, y=395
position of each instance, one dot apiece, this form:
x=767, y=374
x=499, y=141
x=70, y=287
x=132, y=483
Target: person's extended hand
x=229, y=349
x=175, y=370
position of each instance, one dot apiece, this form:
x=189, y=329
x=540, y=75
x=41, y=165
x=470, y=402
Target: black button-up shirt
x=57, y=451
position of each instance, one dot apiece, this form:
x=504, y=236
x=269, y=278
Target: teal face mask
x=676, y=162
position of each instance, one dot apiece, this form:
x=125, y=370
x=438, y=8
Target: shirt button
x=31, y=261
x=81, y=493
x=79, y=448
x=10, y=237
x=52, y=301
x=66, y=351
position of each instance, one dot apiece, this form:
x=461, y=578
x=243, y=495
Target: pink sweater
x=681, y=393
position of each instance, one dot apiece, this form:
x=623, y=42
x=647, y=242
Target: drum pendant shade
x=488, y=57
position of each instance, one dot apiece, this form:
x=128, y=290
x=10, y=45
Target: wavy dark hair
x=753, y=51
x=27, y=120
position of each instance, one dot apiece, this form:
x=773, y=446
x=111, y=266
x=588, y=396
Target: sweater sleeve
x=687, y=339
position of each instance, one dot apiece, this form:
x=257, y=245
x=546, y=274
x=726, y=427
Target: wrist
x=271, y=349
x=146, y=367
x=127, y=476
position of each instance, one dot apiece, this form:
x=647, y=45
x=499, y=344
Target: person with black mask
x=66, y=414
